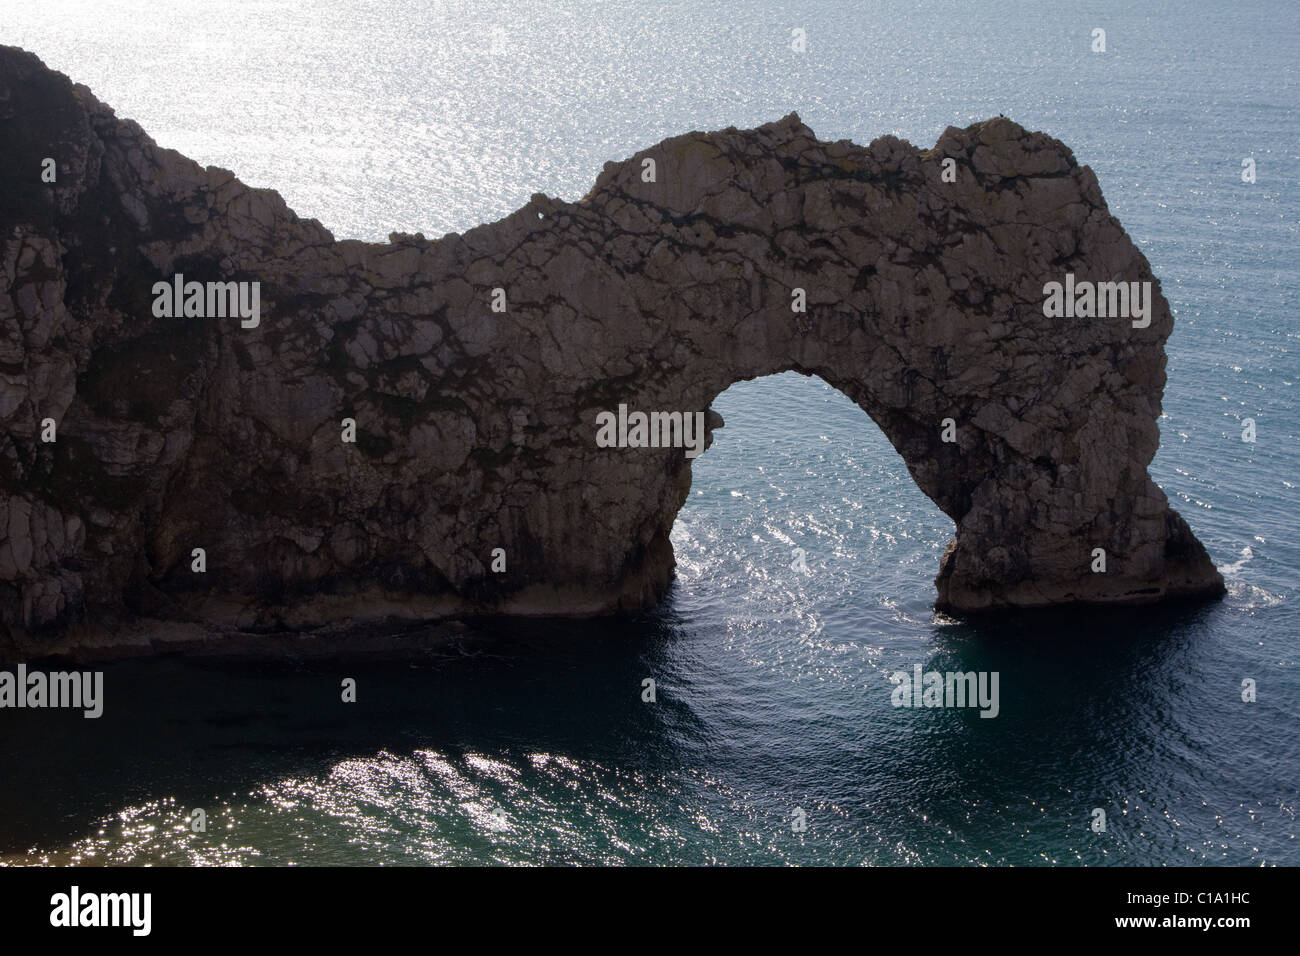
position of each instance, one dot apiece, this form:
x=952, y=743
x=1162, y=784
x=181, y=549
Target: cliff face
x=476, y=429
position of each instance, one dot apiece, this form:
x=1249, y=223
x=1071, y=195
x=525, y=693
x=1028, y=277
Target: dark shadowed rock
x=476, y=429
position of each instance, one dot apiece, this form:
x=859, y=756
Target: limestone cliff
x=475, y=429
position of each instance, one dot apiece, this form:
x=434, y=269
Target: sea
x=806, y=554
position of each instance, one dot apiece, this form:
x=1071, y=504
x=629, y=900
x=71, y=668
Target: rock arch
x=476, y=428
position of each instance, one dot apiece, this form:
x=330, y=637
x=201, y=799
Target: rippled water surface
x=530, y=742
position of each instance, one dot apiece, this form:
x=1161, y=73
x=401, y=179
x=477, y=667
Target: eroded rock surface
x=476, y=429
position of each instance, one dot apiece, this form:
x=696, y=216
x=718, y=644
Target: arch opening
x=798, y=499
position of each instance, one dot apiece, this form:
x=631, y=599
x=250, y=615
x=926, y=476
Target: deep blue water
x=772, y=682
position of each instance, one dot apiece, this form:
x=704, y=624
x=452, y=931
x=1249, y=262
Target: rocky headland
x=173, y=476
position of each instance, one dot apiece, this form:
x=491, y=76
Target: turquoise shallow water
x=772, y=682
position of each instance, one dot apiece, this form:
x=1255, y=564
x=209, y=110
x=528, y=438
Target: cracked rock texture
x=476, y=429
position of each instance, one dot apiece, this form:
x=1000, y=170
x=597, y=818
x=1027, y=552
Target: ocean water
x=529, y=742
